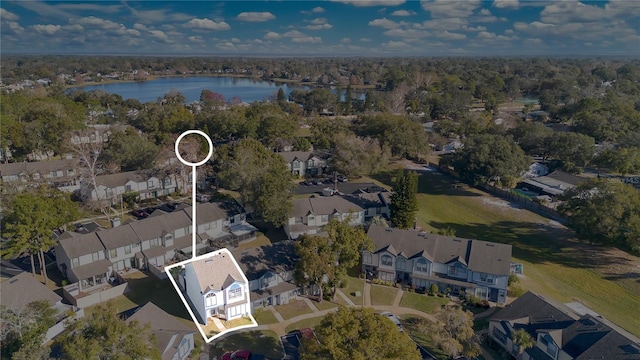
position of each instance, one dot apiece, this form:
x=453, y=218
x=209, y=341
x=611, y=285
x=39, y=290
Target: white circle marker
x=188, y=132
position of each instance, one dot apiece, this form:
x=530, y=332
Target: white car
x=393, y=319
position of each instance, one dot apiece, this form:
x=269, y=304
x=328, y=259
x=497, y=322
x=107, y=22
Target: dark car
x=139, y=214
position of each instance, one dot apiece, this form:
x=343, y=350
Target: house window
x=268, y=278
x=211, y=299
x=422, y=266
x=299, y=220
x=150, y=184
x=453, y=270
x=235, y=291
x=168, y=237
x=400, y=263
x=113, y=253
x=127, y=249
x=310, y=218
x=154, y=242
x=95, y=256
x=367, y=258
x=387, y=260
x=136, y=245
x=296, y=164
x=310, y=163
x=75, y=262
x=325, y=218
x=127, y=188
x=167, y=181
x=486, y=278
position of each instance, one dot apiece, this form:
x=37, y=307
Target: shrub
x=513, y=279
x=433, y=289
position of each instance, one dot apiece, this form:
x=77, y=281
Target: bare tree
x=397, y=104
x=168, y=164
x=88, y=150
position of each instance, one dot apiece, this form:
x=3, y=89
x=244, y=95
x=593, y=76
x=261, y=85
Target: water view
x=248, y=90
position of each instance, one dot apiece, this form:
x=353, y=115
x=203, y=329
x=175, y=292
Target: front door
x=278, y=299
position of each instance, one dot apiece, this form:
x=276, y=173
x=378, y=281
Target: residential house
x=269, y=270
x=62, y=173
x=216, y=287
x=21, y=289
x=147, y=184
x=373, y=203
x=536, y=170
x=456, y=265
x=553, y=184
x=310, y=214
x=560, y=332
x=305, y=163
x=173, y=338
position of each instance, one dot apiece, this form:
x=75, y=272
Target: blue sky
x=326, y=28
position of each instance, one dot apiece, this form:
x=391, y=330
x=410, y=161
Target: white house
x=305, y=163
x=216, y=287
x=310, y=214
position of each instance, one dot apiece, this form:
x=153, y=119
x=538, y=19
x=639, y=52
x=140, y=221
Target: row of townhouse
x=310, y=214
x=92, y=260
x=148, y=184
x=560, y=332
x=455, y=265
x=62, y=174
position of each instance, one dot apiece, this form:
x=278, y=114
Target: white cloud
x=92, y=21
x=307, y=39
x=366, y=3
x=450, y=8
x=8, y=16
x=319, y=24
x=73, y=28
x=365, y=40
x=46, y=29
x=139, y=26
x=386, y=23
x=485, y=12
x=345, y=40
x=443, y=24
x=226, y=46
x=255, y=16
x=13, y=26
x=206, y=24
x=196, y=39
x=473, y=28
x=450, y=36
x=96, y=8
x=133, y=32
x=532, y=41
x=396, y=45
x=407, y=34
x=235, y=40
x=294, y=34
x=317, y=10
x=272, y=35
x=504, y=4
x=160, y=35
x=403, y=13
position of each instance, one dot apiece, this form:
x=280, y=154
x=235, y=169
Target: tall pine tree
x=404, y=203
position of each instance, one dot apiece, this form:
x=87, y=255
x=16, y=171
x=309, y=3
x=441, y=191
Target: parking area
x=290, y=346
x=345, y=187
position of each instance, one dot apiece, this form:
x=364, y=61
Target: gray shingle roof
x=159, y=225
x=118, y=236
x=535, y=309
x=91, y=269
x=164, y=326
x=481, y=256
x=289, y=156
x=278, y=258
x=81, y=244
x=216, y=272
x=41, y=167
x=324, y=205
x=207, y=212
x=120, y=179
x=23, y=288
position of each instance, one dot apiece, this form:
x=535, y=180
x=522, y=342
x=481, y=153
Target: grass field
x=353, y=284
x=325, y=305
x=293, y=309
x=424, y=303
x=383, y=295
x=264, y=317
x=266, y=343
x=555, y=264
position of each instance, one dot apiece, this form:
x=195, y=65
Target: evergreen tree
x=404, y=202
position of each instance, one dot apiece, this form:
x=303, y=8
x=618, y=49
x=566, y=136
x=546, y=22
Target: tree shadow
x=537, y=243
x=432, y=183
x=161, y=292
x=257, y=342
x=274, y=234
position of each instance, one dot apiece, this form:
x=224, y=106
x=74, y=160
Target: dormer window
x=400, y=264
x=211, y=299
x=386, y=260
x=422, y=266
x=235, y=291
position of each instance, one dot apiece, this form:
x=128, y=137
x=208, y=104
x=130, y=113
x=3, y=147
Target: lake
x=248, y=90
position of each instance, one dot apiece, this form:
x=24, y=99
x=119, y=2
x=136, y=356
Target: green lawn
x=325, y=305
x=293, y=309
x=383, y=295
x=264, y=317
x=555, y=264
x=306, y=323
x=266, y=343
x=353, y=284
x=424, y=303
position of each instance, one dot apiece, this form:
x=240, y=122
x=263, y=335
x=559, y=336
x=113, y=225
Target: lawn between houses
x=555, y=264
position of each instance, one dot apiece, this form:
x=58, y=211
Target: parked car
x=393, y=319
x=139, y=214
x=342, y=178
x=203, y=197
